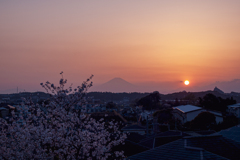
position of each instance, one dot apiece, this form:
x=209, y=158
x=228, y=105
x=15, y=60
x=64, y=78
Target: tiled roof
x=231, y=133
x=158, y=141
x=175, y=151
x=187, y=108
x=235, y=105
x=205, y=132
x=161, y=138
x=216, y=144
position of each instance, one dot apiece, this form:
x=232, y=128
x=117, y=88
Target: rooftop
x=161, y=138
x=235, y=105
x=232, y=133
x=175, y=150
x=187, y=108
x=194, y=147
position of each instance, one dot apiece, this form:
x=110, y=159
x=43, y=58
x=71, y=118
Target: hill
x=116, y=85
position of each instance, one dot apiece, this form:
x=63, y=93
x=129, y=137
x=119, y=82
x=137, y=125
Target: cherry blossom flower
x=58, y=130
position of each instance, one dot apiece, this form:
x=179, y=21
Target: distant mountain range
x=120, y=85
x=116, y=85
x=107, y=96
x=19, y=90
x=14, y=90
x=226, y=86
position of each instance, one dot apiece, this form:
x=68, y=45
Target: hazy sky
x=136, y=40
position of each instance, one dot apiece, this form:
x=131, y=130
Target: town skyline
x=119, y=85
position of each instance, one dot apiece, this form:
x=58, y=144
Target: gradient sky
x=137, y=40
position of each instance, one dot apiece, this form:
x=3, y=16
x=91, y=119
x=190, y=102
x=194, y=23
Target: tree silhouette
x=210, y=101
x=204, y=121
x=152, y=101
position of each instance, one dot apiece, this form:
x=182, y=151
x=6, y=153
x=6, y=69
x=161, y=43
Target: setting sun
x=186, y=82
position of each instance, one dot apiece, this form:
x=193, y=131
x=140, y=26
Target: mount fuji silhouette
x=116, y=85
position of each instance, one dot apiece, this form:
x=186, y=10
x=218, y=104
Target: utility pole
x=147, y=125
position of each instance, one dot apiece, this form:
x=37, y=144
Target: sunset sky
x=140, y=41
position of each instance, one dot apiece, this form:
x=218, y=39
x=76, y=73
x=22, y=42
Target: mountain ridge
x=117, y=85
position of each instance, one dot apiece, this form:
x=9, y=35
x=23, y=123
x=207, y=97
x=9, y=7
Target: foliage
x=131, y=119
x=58, y=129
x=164, y=116
x=210, y=101
x=228, y=121
x=203, y=121
x=190, y=98
x=176, y=103
x=109, y=96
x=111, y=105
x=151, y=101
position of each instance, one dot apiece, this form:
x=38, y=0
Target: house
x=218, y=115
x=234, y=109
x=186, y=113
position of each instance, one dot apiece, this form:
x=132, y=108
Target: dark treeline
x=212, y=102
x=109, y=96
x=134, y=96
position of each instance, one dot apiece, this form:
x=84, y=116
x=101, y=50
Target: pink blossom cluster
x=57, y=130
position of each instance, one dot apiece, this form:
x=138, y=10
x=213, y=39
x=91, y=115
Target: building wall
x=186, y=117
x=238, y=112
x=179, y=115
x=235, y=111
x=218, y=116
x=192, y=115
x=219, y=119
